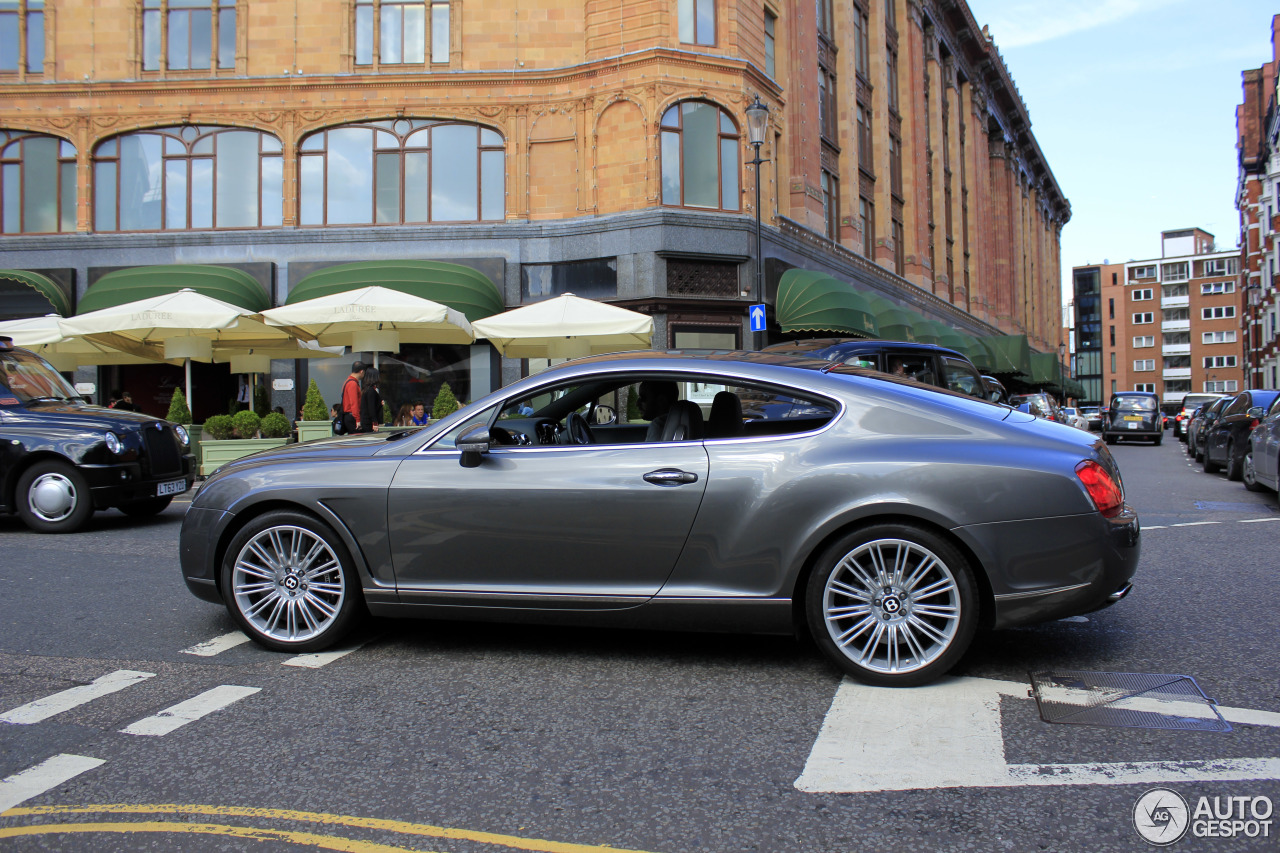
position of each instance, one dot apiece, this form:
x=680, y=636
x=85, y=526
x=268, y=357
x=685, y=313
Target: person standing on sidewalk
x=351, y=399
x=370, y=401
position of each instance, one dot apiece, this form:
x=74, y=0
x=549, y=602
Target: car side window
x=960, y=376
x=1238, y=405
x=917, y=366
x=449, y=441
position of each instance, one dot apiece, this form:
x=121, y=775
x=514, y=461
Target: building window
x=825, y=18
x=1113, y=335
x=189, y=34
x=1140, y=341
x=1143, y=364
x=831, y=204
x=1221, y=387
x=1144, y=318
x=37, y=184
x=1219, y=361
x=891, y=81
x=1218, y=337
x=1219, y=312
x=1141, y=295
x=699, y=157
x=827, y=104
x=698, y=22
x=22, y=35
x=1180, y=271
x=861, y=41
x=402, y=171
x=1213, y=287
x=1142, y=272
x=397, y=32
x=867, y=221
x=1220, y=266
x=1149, y=387
x=770, y=43
x=1113, y=362
x=895, y=165
x=1111, y=309
x=179, y=178
x=899, y=244
x=866, y=159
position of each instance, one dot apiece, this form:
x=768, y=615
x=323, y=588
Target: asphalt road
x=458, y=738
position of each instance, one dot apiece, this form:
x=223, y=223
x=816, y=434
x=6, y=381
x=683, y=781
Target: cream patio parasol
x=183, y=325
x=44, y=337
x=567, y=326
x=374, y=319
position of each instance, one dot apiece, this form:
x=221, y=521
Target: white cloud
x=1025, y=22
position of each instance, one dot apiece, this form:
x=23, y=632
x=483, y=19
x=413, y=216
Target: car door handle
x=670, y=477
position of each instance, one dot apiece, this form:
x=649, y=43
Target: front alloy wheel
x=892, y=605
x=1249, y=475
x=286, y=581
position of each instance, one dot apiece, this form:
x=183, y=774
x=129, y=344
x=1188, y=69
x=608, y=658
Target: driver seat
x=684, y=422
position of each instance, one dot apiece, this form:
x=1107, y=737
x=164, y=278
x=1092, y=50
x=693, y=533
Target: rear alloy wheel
x=53, y=497
x=1249, y=475
x=1234, y=463
x=892, y=605
x=289, y=583
x=146, y=508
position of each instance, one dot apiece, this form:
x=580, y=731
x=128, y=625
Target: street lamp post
x=757, y=121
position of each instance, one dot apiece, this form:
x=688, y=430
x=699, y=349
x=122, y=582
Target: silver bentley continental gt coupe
x=727, y=491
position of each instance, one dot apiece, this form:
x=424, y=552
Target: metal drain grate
x=1131, y=700
x=1232, y=506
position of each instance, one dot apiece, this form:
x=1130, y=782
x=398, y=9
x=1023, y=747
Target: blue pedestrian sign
x=757, y=318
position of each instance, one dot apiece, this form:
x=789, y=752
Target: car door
x=579, y=523
x=1266, y=447
x=1220, y=434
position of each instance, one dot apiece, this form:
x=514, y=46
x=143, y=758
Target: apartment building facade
x=1169, y=325
x=590, y=146
x=1258, y=201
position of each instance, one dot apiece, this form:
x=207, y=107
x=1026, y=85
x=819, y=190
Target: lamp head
x=757, y=120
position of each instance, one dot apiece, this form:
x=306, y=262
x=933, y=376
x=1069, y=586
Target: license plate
x=1134, y=426
x=1133, y=417
x=174, y=487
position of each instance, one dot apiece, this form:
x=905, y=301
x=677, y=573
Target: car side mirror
x=474, y=444
x=606, y=415
x=1257, y=412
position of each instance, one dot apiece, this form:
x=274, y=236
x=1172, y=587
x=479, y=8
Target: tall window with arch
x=192, y=177
x=37, y=183
x=700, y=157
x=402, y=171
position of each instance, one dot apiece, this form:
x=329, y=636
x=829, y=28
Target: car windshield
x=1134, y=404
x=31, y=380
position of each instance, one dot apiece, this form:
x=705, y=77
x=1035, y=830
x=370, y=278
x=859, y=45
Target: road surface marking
x=1194, y=523
x=1257, y=520
x=948, y=735
x=514, y=842
x=43, y=709
x=319, y=659
x=302, y=839
x=35, y=780
x=189, y=711
x=217, y=645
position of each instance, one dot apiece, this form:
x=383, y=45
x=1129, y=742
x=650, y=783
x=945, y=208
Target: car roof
x=853, y=346
x=1133, y=394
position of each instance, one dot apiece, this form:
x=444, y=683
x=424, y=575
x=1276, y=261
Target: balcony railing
x=1177, y=373
x=1176, y=349
x=1175, y=301
x=1175, y=326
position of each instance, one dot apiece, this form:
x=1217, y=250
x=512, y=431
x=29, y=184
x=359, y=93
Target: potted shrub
x=229, y=437
x=275, y=425
x=446, y=404
x=315, y=421
x=180, y=413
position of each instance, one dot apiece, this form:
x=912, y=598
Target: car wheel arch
x=815, y=550
x=244, y=515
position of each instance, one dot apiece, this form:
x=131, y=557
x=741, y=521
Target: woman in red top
x=351, y=398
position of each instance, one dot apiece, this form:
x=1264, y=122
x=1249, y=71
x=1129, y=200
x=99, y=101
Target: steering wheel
x=579, y=432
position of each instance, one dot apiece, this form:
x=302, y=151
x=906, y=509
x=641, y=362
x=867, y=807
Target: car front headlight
x=181, y=432
x=113, y=443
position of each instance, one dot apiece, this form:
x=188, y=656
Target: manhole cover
x=1131, y=700
x=1232, y=506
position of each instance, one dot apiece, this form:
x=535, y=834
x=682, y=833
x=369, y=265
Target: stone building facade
x=592, y=146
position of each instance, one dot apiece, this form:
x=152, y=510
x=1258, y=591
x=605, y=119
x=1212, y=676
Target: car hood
x=80, y=416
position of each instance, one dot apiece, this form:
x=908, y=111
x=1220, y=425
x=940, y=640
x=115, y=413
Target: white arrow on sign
x=948, y=735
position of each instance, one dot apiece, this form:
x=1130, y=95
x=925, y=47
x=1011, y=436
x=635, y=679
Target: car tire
x=1249, y=475
x=878, y=628
x=53, y=497
x=1234, y=464
x=1197, y=451
x=283, y=601
x=1210, y=467
x=1157, y=440
x=146, y=508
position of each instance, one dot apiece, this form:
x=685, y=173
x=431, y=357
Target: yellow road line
x=323, y=842
x=402, y=827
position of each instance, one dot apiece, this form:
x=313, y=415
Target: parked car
x=927, y=363
x=1040, y=404
x=1205, y=416
x=1227, y=439
x=1190, y=403
x=1262, y=460
x=1133, y=414
x=1074, y=418
x=1093, y=416
x=61, y=458
x=885, y=517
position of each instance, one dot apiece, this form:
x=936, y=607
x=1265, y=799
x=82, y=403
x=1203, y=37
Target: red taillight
x=1253, y=423
x=1103, y=490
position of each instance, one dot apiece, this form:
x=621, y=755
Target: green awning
x=810, y=301
x=43, y=285
x=460, y=288
x=129, y=285
x=976, y=351
x=1010, y=354
x=1045, y=369
x=897, y=324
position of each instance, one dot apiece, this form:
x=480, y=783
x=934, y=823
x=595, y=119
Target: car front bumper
x=124, y=483
x=197, y=544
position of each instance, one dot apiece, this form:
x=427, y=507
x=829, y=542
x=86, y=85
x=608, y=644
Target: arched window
x=37, y=183
x=402, y=171
x=700, y=154
x=180, y=178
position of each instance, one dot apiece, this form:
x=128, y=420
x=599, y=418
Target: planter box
x=215, y=454
x=310, y=430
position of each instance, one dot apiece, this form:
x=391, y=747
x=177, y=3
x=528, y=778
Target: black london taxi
x=1133, y=414
x=61, y=458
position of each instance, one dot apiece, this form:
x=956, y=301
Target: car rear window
x=1134, y=404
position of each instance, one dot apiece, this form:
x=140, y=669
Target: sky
x=1133, y=104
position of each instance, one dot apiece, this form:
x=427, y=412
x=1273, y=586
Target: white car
x=1075, y=419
